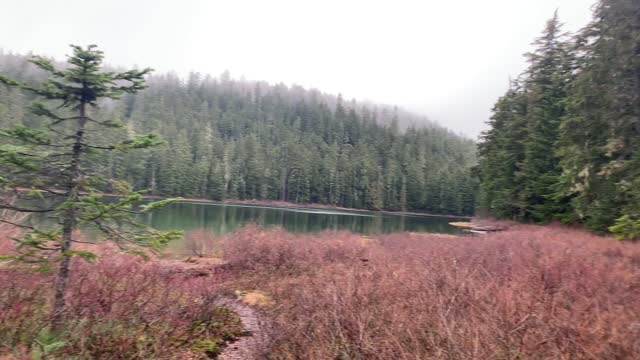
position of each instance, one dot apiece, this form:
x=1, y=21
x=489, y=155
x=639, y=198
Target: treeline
x=236, y=139
x=564, y=141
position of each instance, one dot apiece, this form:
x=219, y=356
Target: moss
x=211, y=335
x=209, y=347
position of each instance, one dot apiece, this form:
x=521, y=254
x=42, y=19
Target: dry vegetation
x=527, y=293
x=530, y=292
x=200, y=243
x=120, y=307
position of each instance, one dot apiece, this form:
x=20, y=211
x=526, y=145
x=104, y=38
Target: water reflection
x=224, y=218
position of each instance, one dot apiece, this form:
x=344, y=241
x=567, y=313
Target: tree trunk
x=153, y=179
x=285, y=185
x=68, y=224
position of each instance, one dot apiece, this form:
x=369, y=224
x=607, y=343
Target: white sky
x=449, y=60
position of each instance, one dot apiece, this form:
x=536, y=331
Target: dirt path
x=248, y=347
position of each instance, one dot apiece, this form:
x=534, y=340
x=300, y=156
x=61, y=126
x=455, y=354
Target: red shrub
x=531, y=292
x=120, y=307
x=200, y=242
x=253, y=248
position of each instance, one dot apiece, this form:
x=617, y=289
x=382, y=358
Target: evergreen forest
x=564, y=141
x=241, y=140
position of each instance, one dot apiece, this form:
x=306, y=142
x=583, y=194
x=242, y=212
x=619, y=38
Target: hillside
x=237, y=139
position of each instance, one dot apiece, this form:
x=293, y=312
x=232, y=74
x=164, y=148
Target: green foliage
x=230, y=139
x=210, y=347
x=30, y=136
x=140, y=142
x=54, y=160
x=46, y=344
x=87, y=255
x=18, y=158
x=157, y=204
x=626, y=228
x=564, y=141
x=38, y=247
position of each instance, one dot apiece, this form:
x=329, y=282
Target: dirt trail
x=248, y=347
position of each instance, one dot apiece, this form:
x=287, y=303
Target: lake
x=222, y=218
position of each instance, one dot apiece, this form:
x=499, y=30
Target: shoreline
x=282, y=204
x=292, y=205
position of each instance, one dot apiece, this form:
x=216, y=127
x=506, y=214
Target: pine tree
x=565, y=142
x=501, y=155
x=600, y=143
x=547, y=77
x=225, y=140
x=52, y=161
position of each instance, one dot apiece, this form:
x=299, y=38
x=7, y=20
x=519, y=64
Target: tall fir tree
x=565, y=143
x=547, y=78
x=601, y=133
x=51, y=161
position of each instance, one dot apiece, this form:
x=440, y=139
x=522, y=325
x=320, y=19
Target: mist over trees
x=564, y=141
x=237, y=139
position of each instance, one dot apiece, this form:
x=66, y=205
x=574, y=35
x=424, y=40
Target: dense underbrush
x=529, y=292
x=119, y=307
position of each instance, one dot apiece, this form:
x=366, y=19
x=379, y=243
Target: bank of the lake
x=223, y=218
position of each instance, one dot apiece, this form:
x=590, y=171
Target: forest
x=564, y=141
x=238, y=139
x=83, y=276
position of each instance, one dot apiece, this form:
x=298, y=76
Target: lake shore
x=288, y=204
x=294, y=205
x=282, y=204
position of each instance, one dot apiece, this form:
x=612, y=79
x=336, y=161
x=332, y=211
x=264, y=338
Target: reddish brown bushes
x=200, y=242
x=254, y=249
x=531, y=292
x=121, y=307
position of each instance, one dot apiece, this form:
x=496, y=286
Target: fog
x=448, y=60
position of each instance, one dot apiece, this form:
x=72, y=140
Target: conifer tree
x=600, y=146
x=52, y=162
x=501, y=155
x=565, y=143
x=546, y=80
x=226, y=141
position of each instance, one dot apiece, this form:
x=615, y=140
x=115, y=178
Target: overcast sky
x=449, y=60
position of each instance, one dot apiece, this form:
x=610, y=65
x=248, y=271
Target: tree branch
x=17, y=225
x=20, y=209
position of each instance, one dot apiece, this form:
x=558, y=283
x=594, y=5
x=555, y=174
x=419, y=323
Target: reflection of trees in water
x=223, y=218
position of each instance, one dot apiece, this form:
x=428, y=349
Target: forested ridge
x=564, y=141
x=237, y=139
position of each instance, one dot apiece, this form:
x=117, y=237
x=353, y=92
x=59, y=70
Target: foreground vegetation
x=527, y=292
x=118, y=307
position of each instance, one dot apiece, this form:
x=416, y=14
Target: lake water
x=224, y=218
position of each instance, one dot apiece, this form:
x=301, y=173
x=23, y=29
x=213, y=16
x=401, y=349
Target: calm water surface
x=224, y=218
